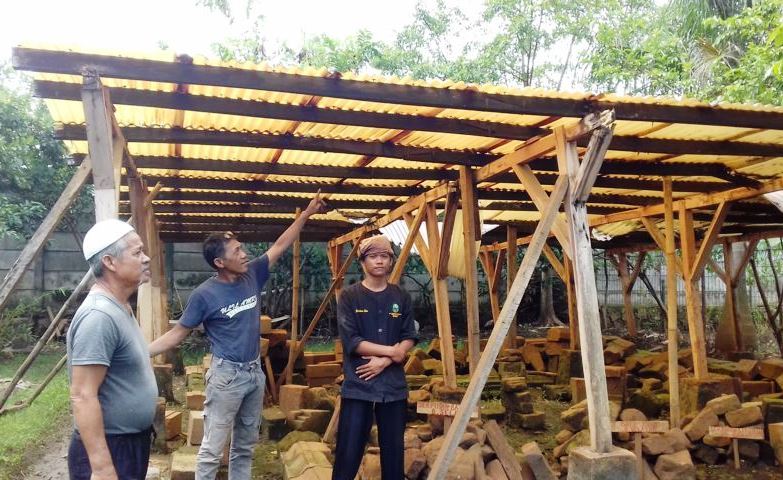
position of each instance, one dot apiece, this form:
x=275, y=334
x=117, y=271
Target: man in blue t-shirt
x=227, y=306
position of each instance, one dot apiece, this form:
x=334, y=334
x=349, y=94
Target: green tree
x=33, y=163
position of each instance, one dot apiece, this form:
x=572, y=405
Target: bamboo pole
x=297, y=251
x=470, y=234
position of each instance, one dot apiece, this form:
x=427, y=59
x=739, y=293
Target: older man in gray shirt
x=113, y=389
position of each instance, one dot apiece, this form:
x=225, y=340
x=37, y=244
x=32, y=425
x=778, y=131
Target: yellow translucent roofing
x=238, y=138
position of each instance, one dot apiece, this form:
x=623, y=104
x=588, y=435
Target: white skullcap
x=103, y=234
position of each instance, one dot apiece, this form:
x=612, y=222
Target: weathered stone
x=706, y=454
x=536, y=461
x=183, y=464
x=493, y=411
x=563, y=436
x=749, y=449
x=292, y=438
x=292, y=397
x=586, y=464
x=495, y=470
x=414, y=463
x=411, y=439
x=715, y=441
x=532, y=356
x=695, y=393
x=572, y=418
x=424, y=432
x=514, y=384
x=724, y=403
x=275, y=421
x=560, y=393
x=414, y=366
x=675, y=466
x=632, y=415
x=533, y=421
x=195, y=400
x=771, y=368
x=569, y=366
x=700, y=425
x=776, y=440
x=432, y=366
x=652, y=384
x=416, y=396
x=173, y=424
x=744, y=416
x=644, y=401
x=370, y=468
x=510, y=369
x=195, y=427
x=670, y=442
x=772, y=409
x=747, y=369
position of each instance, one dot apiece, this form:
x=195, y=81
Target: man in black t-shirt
x=375, y=319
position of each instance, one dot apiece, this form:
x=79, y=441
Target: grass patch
x=28, y=431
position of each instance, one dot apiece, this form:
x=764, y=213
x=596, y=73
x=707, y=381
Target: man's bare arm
x=85, y=382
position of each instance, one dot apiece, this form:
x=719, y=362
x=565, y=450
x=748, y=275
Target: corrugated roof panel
x=234, y=123
x=303, y=157
x=681, y=131
x=220, y=152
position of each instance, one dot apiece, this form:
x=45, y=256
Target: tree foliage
x=33, y=163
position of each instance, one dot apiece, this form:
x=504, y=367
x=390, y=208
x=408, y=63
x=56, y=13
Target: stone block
x=695, y=393
x=535, y=460
x=776, y=440
x=578, y=390
x=558, y=334
x=275, y=421
x=563, y=436
x=533, y=421
x=433, y=366
x=265, y=323
x=195, y=400
x=514, y=384
x=744, y=416
x=173, y=424
x=537, y=378
x=414, y=463
x=292, y=397
x=585, y=464
x=195, y=427
x=572, y=418
x=706, y=454
x=771, y=368
x=749, y=449
x=414, y=366
x=318, y=398
x=772, y=408
x=510, y=369
x=724, y=403
x=323, y=370
x=699, y=426
x=569, y=366
x=752, y=389
x=675, y=466
x=560, y=393
x=747, y=369
x=164, y=378
x=183, y=464
x=494, y=470
x=672, y=441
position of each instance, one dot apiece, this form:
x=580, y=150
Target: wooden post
x=441, y=300
x=692, y=296
x=581, y=178
x=105, y=154
x=413, y=233
x=321, y=309
x=672, y=333
x=573, y=318
x=492, y=267
x=630, y=320
x=295, y=266
x=511, y=269
x=731, y=308
x=470, y=235
x=495, y=342
x=42, y=233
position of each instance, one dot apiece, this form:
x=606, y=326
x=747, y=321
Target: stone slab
x=585, y=464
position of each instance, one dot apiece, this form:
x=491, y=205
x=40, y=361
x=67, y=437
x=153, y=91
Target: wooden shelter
x=240, y=147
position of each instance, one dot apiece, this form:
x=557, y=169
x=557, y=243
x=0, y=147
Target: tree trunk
x=547, y=313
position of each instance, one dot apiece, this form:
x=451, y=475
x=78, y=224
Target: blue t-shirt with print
x=230, y=312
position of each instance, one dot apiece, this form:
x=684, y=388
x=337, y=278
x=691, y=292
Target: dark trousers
x=353, y=430
x=130, y=454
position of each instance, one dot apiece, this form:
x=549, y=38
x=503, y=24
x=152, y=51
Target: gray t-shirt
x=102, y=332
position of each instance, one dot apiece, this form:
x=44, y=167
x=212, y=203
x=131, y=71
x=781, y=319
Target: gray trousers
x=234, y=399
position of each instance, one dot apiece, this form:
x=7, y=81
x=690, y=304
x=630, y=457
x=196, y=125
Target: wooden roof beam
x=296, y=113
x=72, y=63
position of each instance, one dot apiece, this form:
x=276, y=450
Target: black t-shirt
x=385, y=318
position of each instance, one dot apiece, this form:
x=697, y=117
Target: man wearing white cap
x=375, y=320
x=227, y=305
x=113, y=389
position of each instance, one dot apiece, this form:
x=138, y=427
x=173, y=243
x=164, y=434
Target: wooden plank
x=573, y=317
x=295, y=286
x=321, y=308
x=511, y=273
x=672, y=332
x=622, y=269
x=497, y=440
x=71, y=63
x=441, y=408
x=288, y=142
x=330, y=435
x=555, y=262
x=653, y=426
x=495, y=342
x=749, y=433
x=709, y=239
x=413, y=233
x=440, y=287
x=449, y=215
x=33, y=246
x=730, y=308
x=591, y=342
x=407, y=207
x=693, y=201
x=471, y=232
x=421, y=246
x=540, y=199
x=692, y=295
x=295, y=113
